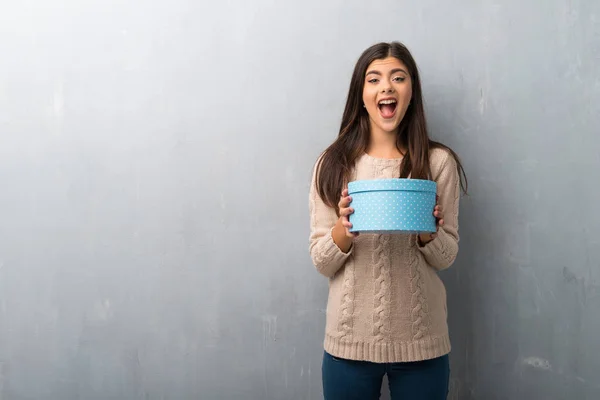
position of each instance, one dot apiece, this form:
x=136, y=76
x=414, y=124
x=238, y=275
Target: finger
x=345, y=201
x=351, y=234
x=346, y=211
x=441, y=222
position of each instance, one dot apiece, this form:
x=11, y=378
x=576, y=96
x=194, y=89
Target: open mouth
x=387, y=107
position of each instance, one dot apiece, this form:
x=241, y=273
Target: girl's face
x=387, y=93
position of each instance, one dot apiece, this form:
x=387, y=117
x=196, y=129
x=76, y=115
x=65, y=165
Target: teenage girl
x=386, y=310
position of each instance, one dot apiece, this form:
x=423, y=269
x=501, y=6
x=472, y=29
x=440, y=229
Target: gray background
x=154, y=166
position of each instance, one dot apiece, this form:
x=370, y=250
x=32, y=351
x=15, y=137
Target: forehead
x=386, y=64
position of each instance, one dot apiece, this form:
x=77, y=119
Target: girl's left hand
x=438, y=214
x=439, y=217
x=439, y=221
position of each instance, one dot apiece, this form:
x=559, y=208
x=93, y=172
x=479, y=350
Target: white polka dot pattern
x=393, y=205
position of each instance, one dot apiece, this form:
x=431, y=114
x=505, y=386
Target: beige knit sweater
x=386, y=302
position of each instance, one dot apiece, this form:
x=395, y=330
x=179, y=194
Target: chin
x=390, y=127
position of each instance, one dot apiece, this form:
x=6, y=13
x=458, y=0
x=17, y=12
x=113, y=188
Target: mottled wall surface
x=155, y=159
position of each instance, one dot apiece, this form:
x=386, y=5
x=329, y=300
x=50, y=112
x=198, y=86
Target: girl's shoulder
x=440, y=159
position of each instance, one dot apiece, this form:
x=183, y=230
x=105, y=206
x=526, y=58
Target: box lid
x=392, y=184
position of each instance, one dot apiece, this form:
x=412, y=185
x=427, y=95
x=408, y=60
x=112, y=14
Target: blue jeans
x=361, y=380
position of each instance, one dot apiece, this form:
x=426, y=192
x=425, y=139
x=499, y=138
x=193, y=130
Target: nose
x=387, y=89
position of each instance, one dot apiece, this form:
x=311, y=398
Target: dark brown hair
x=336, y=162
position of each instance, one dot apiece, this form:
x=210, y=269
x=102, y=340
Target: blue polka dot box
x=392, y=205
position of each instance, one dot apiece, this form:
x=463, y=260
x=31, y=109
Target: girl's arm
x=329, y=245
x=441, y=252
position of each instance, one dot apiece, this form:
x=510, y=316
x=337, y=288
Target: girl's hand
x=438, y=214
x=345, y=211
x=439, y=221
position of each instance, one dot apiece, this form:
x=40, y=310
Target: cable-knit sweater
x=386, y=301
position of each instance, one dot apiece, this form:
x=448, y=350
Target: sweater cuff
x=436, y=251
x=337, y=248
x=330, y=258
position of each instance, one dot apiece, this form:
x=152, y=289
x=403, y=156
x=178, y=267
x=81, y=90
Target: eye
x=374, y=80
x=399, y=79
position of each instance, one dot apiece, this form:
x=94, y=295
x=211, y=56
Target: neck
x=383, y=144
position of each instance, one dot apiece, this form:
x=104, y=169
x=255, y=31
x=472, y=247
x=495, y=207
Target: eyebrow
x=393, y=71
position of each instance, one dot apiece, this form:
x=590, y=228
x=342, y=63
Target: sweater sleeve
x=326, y=256
x=441, y=252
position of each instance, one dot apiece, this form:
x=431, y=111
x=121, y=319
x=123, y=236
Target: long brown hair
x=335, y=164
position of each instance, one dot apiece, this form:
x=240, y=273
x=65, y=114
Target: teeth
x=387, y=101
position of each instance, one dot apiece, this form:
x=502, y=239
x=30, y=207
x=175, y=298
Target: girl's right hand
x=345, y=211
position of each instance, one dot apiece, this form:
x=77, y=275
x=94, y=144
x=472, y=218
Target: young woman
x=386, y=311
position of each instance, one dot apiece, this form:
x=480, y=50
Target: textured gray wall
x=154, y=166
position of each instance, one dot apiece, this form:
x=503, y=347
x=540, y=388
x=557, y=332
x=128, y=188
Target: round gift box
x=393, y=205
